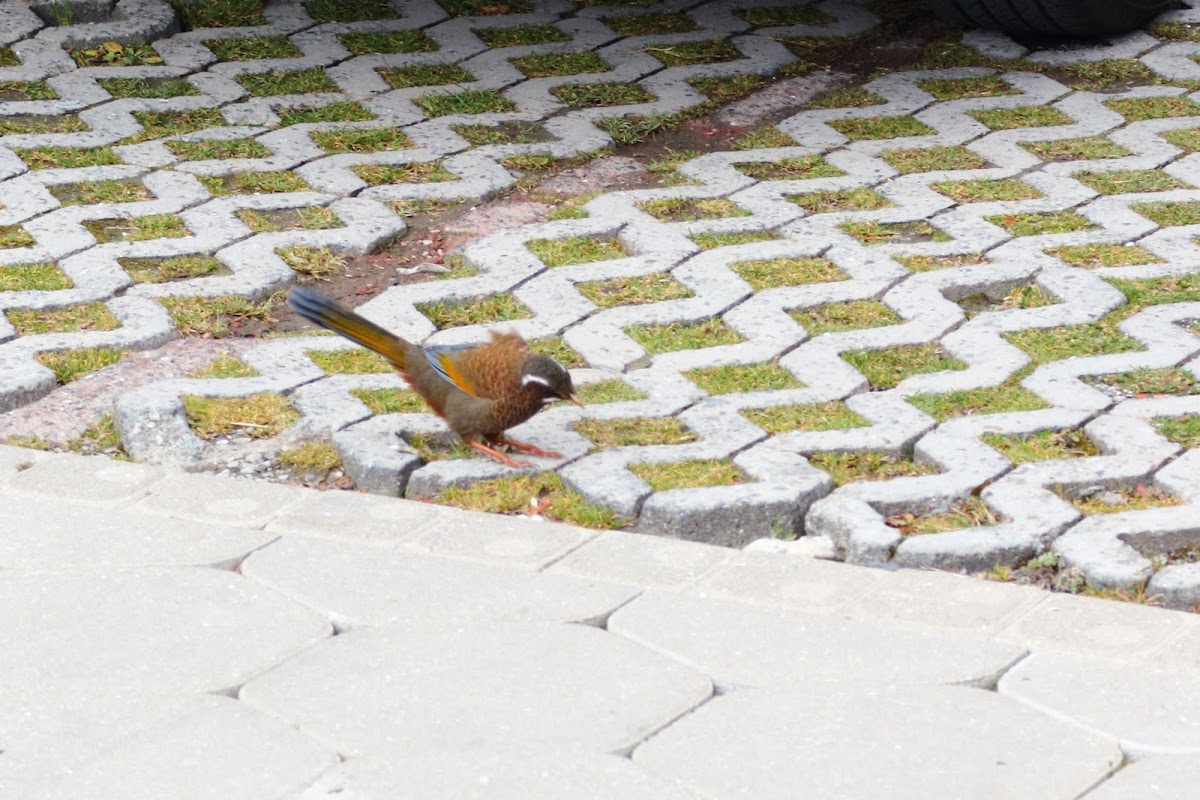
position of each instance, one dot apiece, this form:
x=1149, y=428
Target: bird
x=481, y=390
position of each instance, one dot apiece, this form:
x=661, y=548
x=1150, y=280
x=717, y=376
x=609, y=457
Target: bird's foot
x=503, y=458
x=528, y=449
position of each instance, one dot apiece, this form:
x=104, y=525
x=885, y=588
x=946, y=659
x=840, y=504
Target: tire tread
x=1053, y=17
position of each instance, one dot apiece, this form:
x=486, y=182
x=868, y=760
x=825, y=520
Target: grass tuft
x=885, y=369
x=70, y=365
x=32, y=278
x=175, y=268
x=217, y=317
x=683, y=336
x=743, y=378
x=775, y=272
x=391, y=401
x=542, y=494
x=84, y=317
x=575, y=250
x=832, y=416
x=867, y=465
x=257, y=416
x=1042, y=446
x=497, y=308
x=688, y=474
x=317, y=457
x=634, y=432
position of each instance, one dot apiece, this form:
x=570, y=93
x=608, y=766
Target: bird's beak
x=575, y=399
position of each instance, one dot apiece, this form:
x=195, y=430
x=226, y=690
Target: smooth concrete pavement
x=179, y=636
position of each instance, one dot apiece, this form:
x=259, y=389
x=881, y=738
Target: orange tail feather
x=318, y=308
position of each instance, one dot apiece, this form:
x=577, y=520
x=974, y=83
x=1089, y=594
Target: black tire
x=1053, y=17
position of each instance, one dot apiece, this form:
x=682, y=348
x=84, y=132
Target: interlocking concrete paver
x=68, y=536
x=511, y=543
x=801, y=583
x=101, y=483
x=1090, y=626
x=510, y=775
x=626, y=558
x=1159, y=778
x=743, y=647
x=467, y=688
x=216, y=748
x=360, y=586
x=157, y=630
x=14, y=460
x=953, y=602
x=355, y=517
x=910, y=743
x=1148, y=709
x=205, y=498
x=462, y=675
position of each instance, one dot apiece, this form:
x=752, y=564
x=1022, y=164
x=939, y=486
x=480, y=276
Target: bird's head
x=549, y=379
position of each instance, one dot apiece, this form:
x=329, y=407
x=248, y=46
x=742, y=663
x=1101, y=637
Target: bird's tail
x=320, y=309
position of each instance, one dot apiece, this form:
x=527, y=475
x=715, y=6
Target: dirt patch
x=70, y=410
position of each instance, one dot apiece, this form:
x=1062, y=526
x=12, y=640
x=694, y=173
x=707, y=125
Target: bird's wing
x=442, y=361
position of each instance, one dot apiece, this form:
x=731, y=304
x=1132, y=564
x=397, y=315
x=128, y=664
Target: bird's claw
x=503, y=458
x=528, y=449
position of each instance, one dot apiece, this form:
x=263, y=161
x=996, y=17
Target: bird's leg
x=496, y=454
x=528, y=449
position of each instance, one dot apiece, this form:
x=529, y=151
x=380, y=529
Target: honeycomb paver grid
x=878, y=197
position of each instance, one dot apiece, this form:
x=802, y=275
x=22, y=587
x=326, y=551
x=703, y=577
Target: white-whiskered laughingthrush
x=480, y=390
